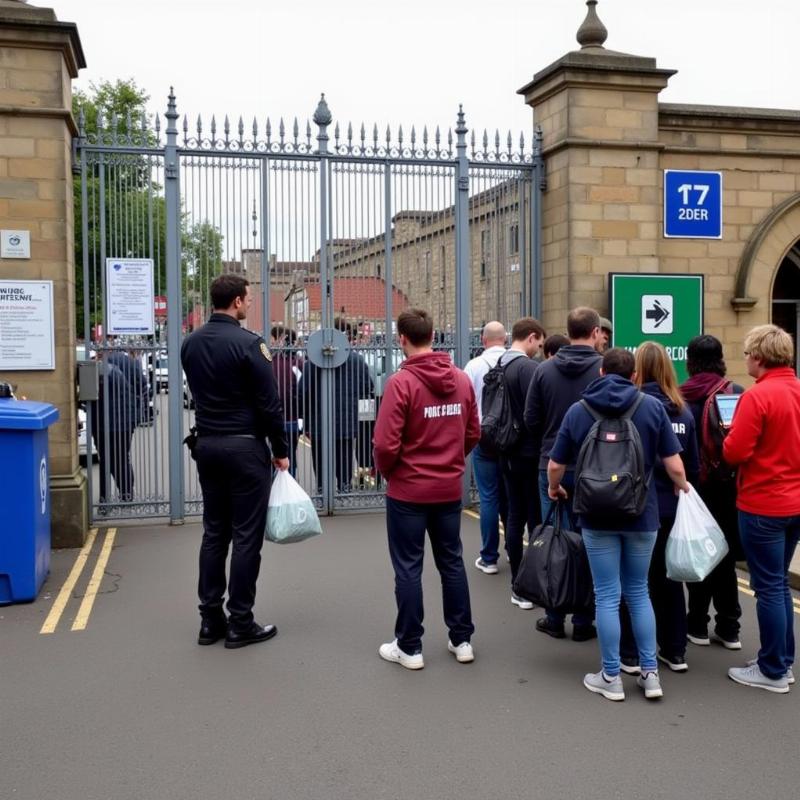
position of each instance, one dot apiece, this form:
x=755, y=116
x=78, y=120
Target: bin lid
x=26, y=415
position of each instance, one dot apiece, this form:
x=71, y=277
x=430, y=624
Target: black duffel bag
x=554, y=572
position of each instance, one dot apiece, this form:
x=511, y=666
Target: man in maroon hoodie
x=427, y=424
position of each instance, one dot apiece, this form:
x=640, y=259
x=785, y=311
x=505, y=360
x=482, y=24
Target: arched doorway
x=786, y=298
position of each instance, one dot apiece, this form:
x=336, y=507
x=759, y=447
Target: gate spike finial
x=425, y=137
x=128, y=126
x=255, y=130
x=336, y=134
x=510, y=143
x=363, y=135
x=295, y=131
x=268, y=129
x=375, y=134
x=388, y=136
x=322, y=114
x=281, y=130
x=241, y=130
x=400, y=137
x=199, y=128
x=82, y=123
x=308, y=133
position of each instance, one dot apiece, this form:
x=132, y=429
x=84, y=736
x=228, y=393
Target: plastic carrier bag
x=696, y=543
x=291, y=516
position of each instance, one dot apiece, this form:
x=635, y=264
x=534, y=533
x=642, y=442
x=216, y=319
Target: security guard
x=230, y=376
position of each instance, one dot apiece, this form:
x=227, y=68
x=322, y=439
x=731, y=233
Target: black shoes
x=252, y=635
x=212, y=630
x=551, y=629
x=583, y=633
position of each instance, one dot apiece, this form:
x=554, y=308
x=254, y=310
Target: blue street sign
x=692, y=204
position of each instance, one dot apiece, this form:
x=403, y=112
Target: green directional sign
x=661, y=308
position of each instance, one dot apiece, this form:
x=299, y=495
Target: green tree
x=124, y=191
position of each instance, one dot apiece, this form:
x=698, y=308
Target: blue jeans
x=769, y=544
x=568, y=482
x=488, y=478
x=406, y=524
x=620, y=563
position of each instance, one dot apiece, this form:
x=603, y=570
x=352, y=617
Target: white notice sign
x=15, y=244
x=27, y=339
x=131, y=298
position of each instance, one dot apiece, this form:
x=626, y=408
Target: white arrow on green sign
x=655, y=307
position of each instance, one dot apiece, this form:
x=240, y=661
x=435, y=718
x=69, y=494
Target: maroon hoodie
x=427, y=423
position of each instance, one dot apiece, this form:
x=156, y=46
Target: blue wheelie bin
x=24, y=498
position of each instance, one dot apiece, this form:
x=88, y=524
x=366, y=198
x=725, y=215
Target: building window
x=486, y=245
x=513, y=239
x=378, y=269
x=428, y=271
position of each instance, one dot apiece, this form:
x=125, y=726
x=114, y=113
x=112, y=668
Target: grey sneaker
x=753, y=676
x=600, y=683
x=789, y=672
x=651, y=684
x=483, y=566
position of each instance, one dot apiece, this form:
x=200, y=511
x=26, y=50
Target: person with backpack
x=655, y=376
x=485, y=463
x=615, y=436
x=503, y=431
x=427, y=425
x=717, y=487
x=765, y=442
x=557, y=384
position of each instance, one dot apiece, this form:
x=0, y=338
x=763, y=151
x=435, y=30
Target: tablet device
x=726, y=405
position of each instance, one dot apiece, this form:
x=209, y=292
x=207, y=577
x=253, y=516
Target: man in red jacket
x=427, y=424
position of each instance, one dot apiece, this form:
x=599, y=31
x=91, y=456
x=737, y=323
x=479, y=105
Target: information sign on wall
x=692, y=204
x=27, y=340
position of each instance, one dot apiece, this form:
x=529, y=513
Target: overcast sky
x=414, y=61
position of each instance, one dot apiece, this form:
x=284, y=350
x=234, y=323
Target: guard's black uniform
x=237, y=405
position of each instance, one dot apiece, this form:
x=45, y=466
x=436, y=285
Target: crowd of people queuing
x=747, y=472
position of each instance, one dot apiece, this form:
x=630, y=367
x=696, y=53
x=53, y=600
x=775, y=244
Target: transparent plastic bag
x=291, y=516
x=696, y=543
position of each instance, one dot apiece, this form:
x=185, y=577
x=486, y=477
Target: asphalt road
x=132, y=709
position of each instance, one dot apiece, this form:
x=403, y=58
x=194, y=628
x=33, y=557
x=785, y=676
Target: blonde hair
x=653, y=364
x=771, y=345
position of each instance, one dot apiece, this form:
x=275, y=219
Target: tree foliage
x=126, y=209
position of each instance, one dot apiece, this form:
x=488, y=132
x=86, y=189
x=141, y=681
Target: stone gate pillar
x=39, y=57
x=598, y=110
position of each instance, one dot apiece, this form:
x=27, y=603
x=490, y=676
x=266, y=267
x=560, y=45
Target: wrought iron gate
x=337, y=232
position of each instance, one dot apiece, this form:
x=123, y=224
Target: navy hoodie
x=683, y=425
x=555, y=386
x=611, y=396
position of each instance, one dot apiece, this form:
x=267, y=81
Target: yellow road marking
x=61, y=601
x=82, y=619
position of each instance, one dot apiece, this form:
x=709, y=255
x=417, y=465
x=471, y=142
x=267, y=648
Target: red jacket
x=765, y=442
x=427, y=423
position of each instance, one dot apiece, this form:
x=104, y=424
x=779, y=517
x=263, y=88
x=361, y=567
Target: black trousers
x=235, y=480
x=342, y=461
x=669, y=605
x=406, y=524
x=721, y=586
x=520, y=478
x=115, y=462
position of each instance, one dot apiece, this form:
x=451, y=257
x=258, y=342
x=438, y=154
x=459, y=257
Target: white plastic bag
x=291, y=516
x=696, y=543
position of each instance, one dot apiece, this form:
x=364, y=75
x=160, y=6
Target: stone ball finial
x=592, y=32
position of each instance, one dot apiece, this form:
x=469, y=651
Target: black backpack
x=609, y=473
x=500, y=431
x=713, y=468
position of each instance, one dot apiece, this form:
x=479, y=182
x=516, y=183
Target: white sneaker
x=489, y=569
x=464, y=653
x=521, y=602
x=391, y=652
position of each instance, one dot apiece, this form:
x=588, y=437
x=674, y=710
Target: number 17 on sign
x=692, y=204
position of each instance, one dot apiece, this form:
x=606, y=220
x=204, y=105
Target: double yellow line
x=744, y=585
x=84, y=611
